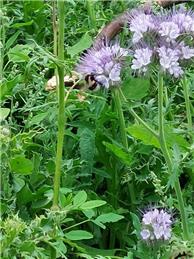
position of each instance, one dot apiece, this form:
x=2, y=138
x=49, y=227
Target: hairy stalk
x=55, y=32
x=168, y=159
x=118, y=107
x=136, y=116
x=91, y=13
x=152, y=131
x=187, y=103
x=61, y=109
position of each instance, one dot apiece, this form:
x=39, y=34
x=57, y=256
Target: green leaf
x=7, y=87
x=37, y=119
x=21, y=165
x=84, y=43
x=141, y=133
x=21, y=24
x=78, y=235
x=12, y=39
x=25, y=195
x=124, y=156
x=135, y=88
x=136, y=222
x=4, y=112
x=109, y=217
x=80, y=198
x=100, y=252
x=92, y=204
x=18, y=183
x=19, y=53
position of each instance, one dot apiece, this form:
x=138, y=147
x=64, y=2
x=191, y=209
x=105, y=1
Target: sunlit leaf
x=78, y=235
x=80, y=198
x=92, y=204
x=135, y=88
x=4, y=112
x=84, y=43
x=124, y=156
x=21, y=165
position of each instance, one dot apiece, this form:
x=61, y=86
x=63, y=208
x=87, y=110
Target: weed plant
x=107, y=144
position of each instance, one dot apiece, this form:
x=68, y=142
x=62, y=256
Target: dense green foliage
x=96, y=218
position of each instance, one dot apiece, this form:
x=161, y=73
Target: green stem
x=91, y=13
x=152, y=131
x=80, y=223
x=55, y=32
x=187, y=102
x=119, y=110
x=61, y=109
x=168, y=160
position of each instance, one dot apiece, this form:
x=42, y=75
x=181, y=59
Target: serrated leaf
x=92, y=204
x=80, y=198
x=21, y=165
x=124, y=156
x=78, y=235
x=135, y=88
x=84, y=43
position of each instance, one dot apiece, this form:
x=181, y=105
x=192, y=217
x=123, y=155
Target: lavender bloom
x=186, y=51
x=103, y=64
x=170, y=30
x=139, y=24
x=156, y=225
x=184, y=20
x=142, y=58
x=169, y=60
x=169, y=40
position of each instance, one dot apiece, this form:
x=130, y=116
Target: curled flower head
x=171, y=40
x=140, y=22
x=168, y=59
x=142, y=58
x=170, y=30
x=104, y=64
x=184, y=19
x=156, y=225
x=186, y=52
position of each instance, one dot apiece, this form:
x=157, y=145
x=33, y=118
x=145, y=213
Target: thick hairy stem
x=168, y=159
x=61, y=110
x=187, y=103
x=55, y=32
x=136, y=116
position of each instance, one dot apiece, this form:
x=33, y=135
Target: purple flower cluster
x=169, y=40
x=156, y=225
x=103, y=63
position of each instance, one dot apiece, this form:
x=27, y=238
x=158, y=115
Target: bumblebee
x=91, y=83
